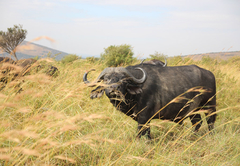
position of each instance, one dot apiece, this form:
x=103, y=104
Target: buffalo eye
x=106, y=80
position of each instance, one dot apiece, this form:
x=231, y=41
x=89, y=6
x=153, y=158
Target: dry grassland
x=52, y=121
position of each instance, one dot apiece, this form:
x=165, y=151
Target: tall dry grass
x=52, y=121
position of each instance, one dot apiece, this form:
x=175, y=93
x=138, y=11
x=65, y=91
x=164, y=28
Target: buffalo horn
x=165, y=64
x=85, y=80
x=138, y=81
x=142, y=61
x=100, y=77
x=118, y=70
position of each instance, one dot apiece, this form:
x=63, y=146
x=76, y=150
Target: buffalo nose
x=113, y=87
x=111, y=90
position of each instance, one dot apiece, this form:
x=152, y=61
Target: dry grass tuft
x=8, y=66
x=2, y=96
x=29, y=152
x=5, y=157
x=65, y=158
x=8, y=104
x=39, y=78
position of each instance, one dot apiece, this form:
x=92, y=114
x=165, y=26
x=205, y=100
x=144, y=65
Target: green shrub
x=117, y=55
x=69, y=58
x=208, y=60
x=92, y=59
x=158, y=56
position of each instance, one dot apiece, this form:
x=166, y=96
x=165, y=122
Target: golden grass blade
x=65, y=158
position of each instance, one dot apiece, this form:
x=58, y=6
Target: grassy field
x=52, y=121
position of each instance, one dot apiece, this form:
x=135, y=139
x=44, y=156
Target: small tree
x=69, y=58
x=11, y=39
x=117, y=55
x=158, y=56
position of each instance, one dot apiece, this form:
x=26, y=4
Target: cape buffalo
x=52, y=71
x=23, y=66
x=147, y=91
x=155, y=62
x=6, y=59
x=26, y=63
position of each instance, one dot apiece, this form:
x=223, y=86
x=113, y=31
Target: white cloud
x=144, y=2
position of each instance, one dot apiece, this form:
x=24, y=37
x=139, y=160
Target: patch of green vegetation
x=69, y=58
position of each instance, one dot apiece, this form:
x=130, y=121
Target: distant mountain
x=31, y=50
x=217, y=55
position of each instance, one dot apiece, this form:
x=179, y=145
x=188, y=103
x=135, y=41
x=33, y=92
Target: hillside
x=31, y=50
x=215, y=55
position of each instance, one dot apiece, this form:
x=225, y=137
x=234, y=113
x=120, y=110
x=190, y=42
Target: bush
x=158, y=56
x=92, y=59
x=118, y=55
x=69, y=58
x=208, y=60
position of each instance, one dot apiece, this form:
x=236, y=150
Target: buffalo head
x=117, y=82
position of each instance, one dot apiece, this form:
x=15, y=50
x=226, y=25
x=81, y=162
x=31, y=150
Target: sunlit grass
x=52, y=121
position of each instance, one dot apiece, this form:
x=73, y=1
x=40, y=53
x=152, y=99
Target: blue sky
x=86, y=27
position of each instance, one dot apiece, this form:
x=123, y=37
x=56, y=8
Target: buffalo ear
x=97, y=93
x=134, y=89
